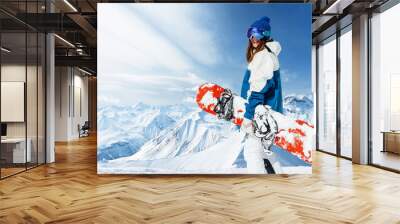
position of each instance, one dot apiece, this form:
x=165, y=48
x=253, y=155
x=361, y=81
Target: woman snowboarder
x=261, y=86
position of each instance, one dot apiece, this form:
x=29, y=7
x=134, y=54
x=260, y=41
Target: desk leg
x=384, y=142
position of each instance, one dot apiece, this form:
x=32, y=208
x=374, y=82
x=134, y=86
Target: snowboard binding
x=224, y=107
x=265, y=127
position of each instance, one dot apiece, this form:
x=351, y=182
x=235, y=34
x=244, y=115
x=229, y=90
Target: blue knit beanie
x=260, y=29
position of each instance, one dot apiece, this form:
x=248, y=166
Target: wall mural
x=205, y=89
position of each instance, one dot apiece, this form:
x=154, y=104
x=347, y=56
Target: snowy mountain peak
x=126, y=128
x=298, y=107
x=194, y=134
x=298, y=99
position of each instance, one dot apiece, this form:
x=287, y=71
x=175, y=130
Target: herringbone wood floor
x=70, y=191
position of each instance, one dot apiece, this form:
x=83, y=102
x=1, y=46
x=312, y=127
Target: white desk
x=18, y=154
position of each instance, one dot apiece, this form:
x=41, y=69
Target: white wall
x=62, y=82
x=14, y=73
x=10, y=73
x=71, y=87
x=82, y=82
x=13, y=101
x=17, y=73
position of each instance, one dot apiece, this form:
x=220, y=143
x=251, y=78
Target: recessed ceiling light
x=64, y=40
x=84, y=71
x=5, y=50
x=338, y=6
x=70, y=5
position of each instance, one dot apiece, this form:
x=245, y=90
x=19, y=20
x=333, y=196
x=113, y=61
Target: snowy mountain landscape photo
x=150, y=120
x=170, y=138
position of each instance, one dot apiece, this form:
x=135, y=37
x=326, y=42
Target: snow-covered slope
x=219, y=158
x=196, y=133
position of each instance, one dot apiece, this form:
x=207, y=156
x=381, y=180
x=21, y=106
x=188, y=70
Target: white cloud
x=147, y=52
x=126, y=40
x=105, y=100
x=181, y=23
x=149, y=88
x=150, y=80
x=146, y=37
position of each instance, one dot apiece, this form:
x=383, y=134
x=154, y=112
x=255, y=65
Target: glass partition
x=34, y=61
x=346, y=93
x=14, y=153
x=41, y=107
x=32, y=95
x=22, y=77
x=385, y=89
x=327, y=95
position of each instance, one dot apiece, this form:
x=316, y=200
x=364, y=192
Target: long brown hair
x=251, y=51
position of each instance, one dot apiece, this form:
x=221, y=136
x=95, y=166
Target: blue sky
x=160, y=53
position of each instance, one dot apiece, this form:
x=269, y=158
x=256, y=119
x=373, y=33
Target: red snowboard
x=295, y=136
